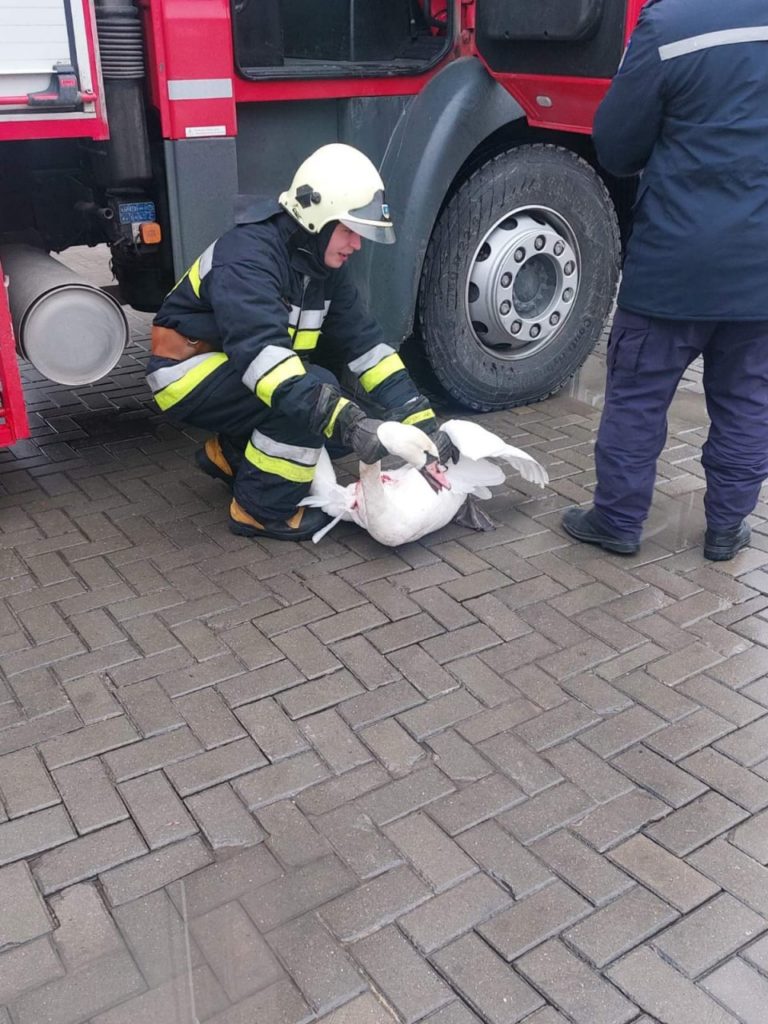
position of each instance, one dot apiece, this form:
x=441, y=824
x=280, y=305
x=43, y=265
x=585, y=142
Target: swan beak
x=435, y=476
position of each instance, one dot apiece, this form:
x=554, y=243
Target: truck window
x=331, y=38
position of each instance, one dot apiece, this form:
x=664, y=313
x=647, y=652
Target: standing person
x=689, y=109
x=233, y=345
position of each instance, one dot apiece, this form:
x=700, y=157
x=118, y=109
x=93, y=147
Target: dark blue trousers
x=646, y=359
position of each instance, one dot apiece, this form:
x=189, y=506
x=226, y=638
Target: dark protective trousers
x=272, y=456
x=646, y=360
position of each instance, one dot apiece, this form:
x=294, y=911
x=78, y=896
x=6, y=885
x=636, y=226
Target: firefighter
x=234, y=345
x=688, y=109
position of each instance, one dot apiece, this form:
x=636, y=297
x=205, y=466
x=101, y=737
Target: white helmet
x=338, y=182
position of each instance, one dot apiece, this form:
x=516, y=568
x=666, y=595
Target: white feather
x=398, y=507
x=476, y=442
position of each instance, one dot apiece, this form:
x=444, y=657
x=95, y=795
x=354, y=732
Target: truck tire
x=519, y=278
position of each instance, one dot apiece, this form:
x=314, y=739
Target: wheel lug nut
x=555, y=319
x=559, y=248
x=505, y=307
x=516, y=327
x=567, y=294
x=506, y=280
x=539, y=243
x=535, y=331
x=569, y=267
x=519, y=255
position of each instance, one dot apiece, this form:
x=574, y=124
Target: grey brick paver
x=693, y=825
x=663, y=873
x=88, y=856
x=662, y=992
x=583, y=869
x=90, y=740
x=374, y=904
x=158, y=812
x=298, y=891
x=224, y=881
x=26, y=968
x=326, y=796
x=238, y=955
x=574, y=987
x=436, y=857
x=484, y=799
x=709, y=935
x=741, y=989
x=309, y=698
x=85, y=930
x=273, y=732
x=546, y=812
x=454, y=912
x=217, y=765
x=356, y=840
x=154, y=870
x=504, y=858
x=332, y=738
x=319, y=965
x=659, y=776
x=534, y=919
x=33, y=833
x=24, y=913
x=619, y=927
x=209, y=718
x=89, y=795
x=611, y=822
x=407, y=981
x=82, y=994
x=735, y=872
x=391, y=698
x=223, y=819
x=588, y=771
x=486, y=982
x=275, y=782
x=149, y=754
x=25, y=784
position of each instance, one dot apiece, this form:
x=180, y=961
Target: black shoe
x=720, y=545
x=210, y=458
x=580, y=523
x=304, y=522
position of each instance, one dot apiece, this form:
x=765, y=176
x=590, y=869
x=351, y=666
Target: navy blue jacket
x=261, y=294
x=689, y=108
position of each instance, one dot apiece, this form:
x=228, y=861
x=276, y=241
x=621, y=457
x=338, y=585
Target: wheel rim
x=523, y=282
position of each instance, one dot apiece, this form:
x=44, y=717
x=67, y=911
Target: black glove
x=448, y=452
x=358, y=432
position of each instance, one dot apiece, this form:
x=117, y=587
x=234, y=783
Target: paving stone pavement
x=492, y=777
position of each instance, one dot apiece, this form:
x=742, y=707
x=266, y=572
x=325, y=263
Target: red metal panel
x=13, y=414
x=190, y=43
x=562, y=103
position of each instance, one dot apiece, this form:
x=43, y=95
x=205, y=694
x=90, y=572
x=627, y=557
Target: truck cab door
x=577, y=38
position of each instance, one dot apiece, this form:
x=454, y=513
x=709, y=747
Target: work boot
x=721, y=545
x=304, y=522
x=583, y=525
x=211, y=459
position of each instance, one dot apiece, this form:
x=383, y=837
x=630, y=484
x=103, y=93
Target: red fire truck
x=136, y=122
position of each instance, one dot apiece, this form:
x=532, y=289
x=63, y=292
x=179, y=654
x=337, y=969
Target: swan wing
x=477, y=443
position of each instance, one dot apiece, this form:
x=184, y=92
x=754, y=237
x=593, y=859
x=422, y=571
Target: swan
x=402, y=505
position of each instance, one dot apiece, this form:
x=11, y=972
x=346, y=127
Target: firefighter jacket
x=689, y=109
x=261, y=295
